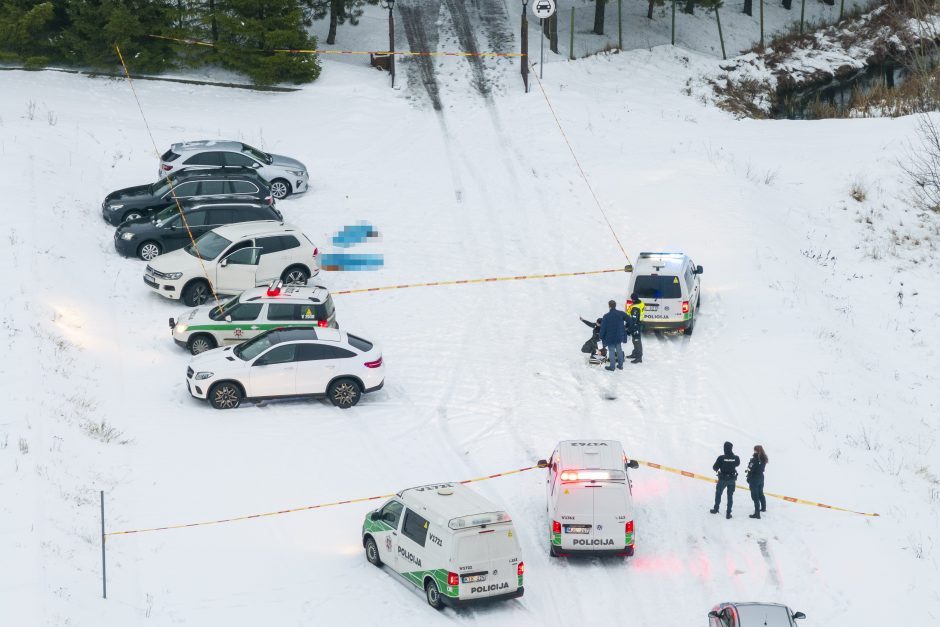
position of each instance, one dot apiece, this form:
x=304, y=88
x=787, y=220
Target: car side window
x=205, y=158
x=270, y=245
x=244, y=312
x=185, y=190
x=314, y=352
x=256, y=213
x=241, y=187
x=196, y=218
x=415, y=527
x=220, y=215
x=283, y=312
x=244, y=257
x=238, y=160
x=211, y=188
x=282, y=354
x=288, y=242
x=391, y=513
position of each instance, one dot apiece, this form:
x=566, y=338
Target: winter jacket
x=637, y=310
x=632, y=325
x=612, y=327
x=755, y=469
x=726, y=465
x=595, y=327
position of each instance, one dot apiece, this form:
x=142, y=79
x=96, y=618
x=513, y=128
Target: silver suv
x=286, y=176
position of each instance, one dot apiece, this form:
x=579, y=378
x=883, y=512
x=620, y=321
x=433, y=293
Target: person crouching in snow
x=591, y=345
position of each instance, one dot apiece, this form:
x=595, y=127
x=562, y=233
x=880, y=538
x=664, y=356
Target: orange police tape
x=790, y=499
x=302, y=509
x=405, y=53
x=467, y=281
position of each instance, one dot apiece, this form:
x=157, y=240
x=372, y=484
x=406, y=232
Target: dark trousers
x=637, y=346
x=724, y=484
x=757, y=492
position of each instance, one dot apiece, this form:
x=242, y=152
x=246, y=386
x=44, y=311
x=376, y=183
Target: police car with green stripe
x=251, y=313
x=457, y=547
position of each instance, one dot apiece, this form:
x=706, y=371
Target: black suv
x=144, y=201
x=148, y=237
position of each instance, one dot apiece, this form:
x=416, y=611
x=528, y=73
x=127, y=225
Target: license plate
x=149, y=281
x=652, y=307
x=577, y=528
x=473, y=578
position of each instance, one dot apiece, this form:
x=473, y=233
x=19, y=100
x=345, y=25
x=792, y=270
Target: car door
x=237, y=271
x=386, y=529
x=211, y=188
x=272, y=259
x=273, y=373
x=239, y=160
x=409, y=556
x=176, y=235
x=220, y=216
x=182, y=191
x=320, y=364
x=242, y=323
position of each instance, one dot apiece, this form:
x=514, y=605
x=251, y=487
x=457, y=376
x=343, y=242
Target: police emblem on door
x=600, y=527
x=388, y=543
x=239, y=333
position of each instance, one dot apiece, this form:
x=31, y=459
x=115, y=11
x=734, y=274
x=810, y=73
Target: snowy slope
x=817, y=339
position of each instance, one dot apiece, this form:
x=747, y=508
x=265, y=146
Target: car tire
x=344, y=393
x=295, y=275
x=225, y=395
x=200, y=343
x=132, y=215
x=196, y=293
x=149, y=250
x=552, y=551
x=688, y=329
x=433, y=594
x=280, y=189
x=372, y=552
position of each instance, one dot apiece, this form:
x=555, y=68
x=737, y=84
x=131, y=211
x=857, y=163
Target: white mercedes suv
x=315, y=362
x=234, y=258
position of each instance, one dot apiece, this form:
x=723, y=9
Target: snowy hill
x=818, y=339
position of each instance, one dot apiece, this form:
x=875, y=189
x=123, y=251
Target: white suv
x=286, y=176
x=670, y=285
x=288, y=362
x=235, y=257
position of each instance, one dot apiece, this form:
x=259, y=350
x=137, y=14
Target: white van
x=670, y=285
x=455, y=545
x=590, y=499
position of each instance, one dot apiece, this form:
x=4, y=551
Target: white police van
x=590, y=499
x=670, y=285
x=450, y=542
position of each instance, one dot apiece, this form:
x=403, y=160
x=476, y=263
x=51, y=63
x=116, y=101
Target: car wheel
x=372, y=552
x=196, y=293
x=295, y=275
x=280, y=189
x=688, y=329
x=552, y=551
x=225, y=396
x=148, y=251
x=433, y=595
x=201, y=343
x=344, y=393
x=132, y=215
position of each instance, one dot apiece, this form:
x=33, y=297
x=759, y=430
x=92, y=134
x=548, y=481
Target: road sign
x=543, y=9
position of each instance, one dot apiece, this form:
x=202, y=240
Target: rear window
x=169, y=156
x=657, y=286
x=359, y=344
x=754, y=615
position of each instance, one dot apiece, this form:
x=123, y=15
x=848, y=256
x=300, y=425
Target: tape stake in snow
x=789, y=499
x=292, y=510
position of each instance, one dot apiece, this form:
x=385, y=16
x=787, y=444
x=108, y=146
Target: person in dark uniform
x=755, y=480
x=591, y=345
x=727, y=468
x=635, y=330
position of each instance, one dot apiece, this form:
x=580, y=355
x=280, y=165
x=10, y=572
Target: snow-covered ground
x=818, y=339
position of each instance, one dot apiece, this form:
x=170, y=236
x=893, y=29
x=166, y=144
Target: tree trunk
x=553, y=33
x=214, y=25
x=787, y=4
x=649, y=11
x=336, y=8
x=690, y=7
x=749, y=7
x=599, y=16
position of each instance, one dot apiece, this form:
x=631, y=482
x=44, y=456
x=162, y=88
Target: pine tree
x=250, y=31
x=339, y=11
x=28, y=30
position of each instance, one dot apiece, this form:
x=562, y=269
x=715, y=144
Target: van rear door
x=575, y=513
x=488, y=559
x=610, y=516
x=663, y=296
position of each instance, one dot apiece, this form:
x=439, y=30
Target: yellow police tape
x=467, y=281
x=789, y=499
x=403, y=53
x=301, y=509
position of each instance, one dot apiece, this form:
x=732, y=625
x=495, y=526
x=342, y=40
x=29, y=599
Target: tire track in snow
x=416, y=20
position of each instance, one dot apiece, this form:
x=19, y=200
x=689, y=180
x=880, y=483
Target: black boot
x=756, y=513
x=728, y=515
x=637, y=360
x=714, y=510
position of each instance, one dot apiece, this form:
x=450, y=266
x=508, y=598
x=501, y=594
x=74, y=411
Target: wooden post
x=762, y=25
x=620, y=23
x=391, y=40
x=673, y=22
x=104, y=577
x=841, y=9
x=524, y=38
x=720, y=36
x=802, y=13
x=571, y=37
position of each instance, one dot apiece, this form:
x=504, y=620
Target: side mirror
x=228, y=318
x=628, y=267
x=699, y=270
x=633, y=464
x=224, y=262
x=713, y=614
x=799, y=615
x=376, y=515
x=542, y=463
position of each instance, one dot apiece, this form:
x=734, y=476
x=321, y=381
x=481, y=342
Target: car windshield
x=252, y=348
x=209, y=246
x=221, y=311
x=657, y=286
x=260, y=155
x=769, y=615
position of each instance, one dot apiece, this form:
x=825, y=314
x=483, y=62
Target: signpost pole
x=542, y=49
x=524, y=36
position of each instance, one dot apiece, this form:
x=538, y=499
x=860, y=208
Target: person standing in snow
x=635, y=328
x=591, y=345
x=755, y=480
x=612, y=335
x=726, y=466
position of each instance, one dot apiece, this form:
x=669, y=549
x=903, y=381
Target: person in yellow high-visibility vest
x=635, y=308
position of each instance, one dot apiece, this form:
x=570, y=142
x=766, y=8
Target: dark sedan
x=148, y=237
x=143, y=201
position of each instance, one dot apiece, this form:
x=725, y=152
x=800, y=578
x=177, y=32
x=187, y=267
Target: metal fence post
x=391, y=40
x=761, y=24
x=104, y=577
x=620, y=23
x=720, y=36
x=802, y=13
x=525, y=47
x=673, y=22
x=571, y=37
